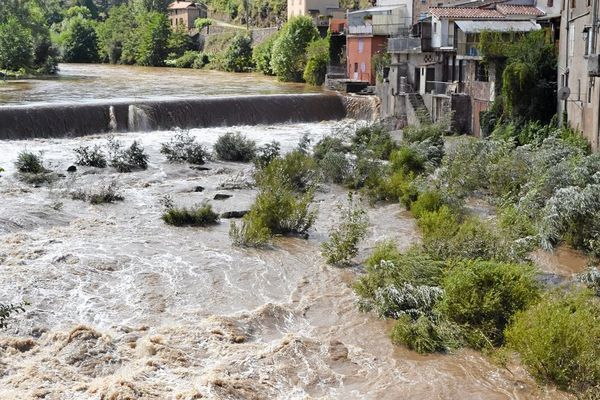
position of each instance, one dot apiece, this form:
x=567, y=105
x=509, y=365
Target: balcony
x=404, y=45
x=440, y=88
x=469, y=49
x=366, y=30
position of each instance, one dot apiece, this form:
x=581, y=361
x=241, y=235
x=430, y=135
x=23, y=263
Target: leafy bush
x=182, y=147
x=104, y=194
x=343, y=240
x=591, y=278
x=428, y=201
x=30, y=163
x=426, y=334
x=295, y=170
x=335, y=167
x=374, y=138
x=288, y=57
x=189, y=59
x=266, y=153
x=201, y=215
x=127, y=160
x=557, y=339
x=317, y=54
x=249, y=234
x=238, y=54
x=261, y=55
x=90, y=156
x=329, y=144
x=483, y=296
x=7, y=310
x=235, y=147
x=407, y=159
x=396, y=187
x=16, y=45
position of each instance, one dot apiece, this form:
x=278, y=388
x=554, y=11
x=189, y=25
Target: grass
x=200, y=215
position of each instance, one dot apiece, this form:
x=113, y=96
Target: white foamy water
x=124, y=306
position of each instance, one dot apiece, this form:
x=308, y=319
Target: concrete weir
x=61, y=120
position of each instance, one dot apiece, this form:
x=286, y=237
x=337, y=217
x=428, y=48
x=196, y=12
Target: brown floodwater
x=94, y=82
x=124, y=306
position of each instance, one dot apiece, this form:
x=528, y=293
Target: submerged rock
x=199, y=189
x=199, y=168
x=72, y=168
x=233, y=214
x=222, y=196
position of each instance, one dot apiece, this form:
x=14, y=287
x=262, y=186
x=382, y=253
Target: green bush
x=407, y=159
x=396, y=187
x=591, y=278
x=127, y=160
x=201, y=215
x=335, y=167
x=428, y=201
x=16, y=45
x=7, y=310
x=30, y=163
x=374, y=138
x=329, y=144
x=288, y=57
x=426, y=334
x=90, y=156
x=261, y=55
x=343, y=240
x=295, y=170
x=558, y=340
x=182, y=147
x=235, y=147
x=317, y=54
x=249, y=234
x=483, y=296
x=153, y=36
x=266, y=153
x=238, y=54
x=189, y=59
x=104, y=194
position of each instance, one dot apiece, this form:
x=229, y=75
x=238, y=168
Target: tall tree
x=16, y=45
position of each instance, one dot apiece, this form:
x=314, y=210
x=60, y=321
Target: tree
x=288, y=59
x=153, y=33
x=179, y=42
x=316, y=66
x=261, y=55
x=78, y=39
x=238, y=56
x=16, y=45
x=114, y=33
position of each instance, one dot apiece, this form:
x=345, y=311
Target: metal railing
x=404, y=45
x=376, y=29
x=438, y=87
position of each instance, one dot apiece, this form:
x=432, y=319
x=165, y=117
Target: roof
x=509, y=9
x=464, y=13
x=179, y=5
x=497, y=26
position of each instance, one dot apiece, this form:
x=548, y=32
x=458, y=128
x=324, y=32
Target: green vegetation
x=288, y=58
x=77, y=39
x=7, y=310
x=343, y=240
x=261, y=55
x=182, y=147
x=233, y=146
x=558, y=340
x=30, y=163
x=90, y=156
x=266, y=154
x=201, y=215
x=128, y=159
x=317, y=54
x=238, y=55
x=104, y=194
x=283, y=203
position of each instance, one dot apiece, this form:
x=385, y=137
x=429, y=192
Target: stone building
x=185, y=13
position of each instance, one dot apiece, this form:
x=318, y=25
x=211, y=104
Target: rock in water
x=72, y=168
x=221, y=196
x=234, y=214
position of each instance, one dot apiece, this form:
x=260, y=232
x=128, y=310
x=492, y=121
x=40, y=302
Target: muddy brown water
x=124, y=306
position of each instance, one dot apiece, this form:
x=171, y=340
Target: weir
x=61, y=120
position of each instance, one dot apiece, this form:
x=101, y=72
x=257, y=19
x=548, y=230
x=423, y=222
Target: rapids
x=124, y=306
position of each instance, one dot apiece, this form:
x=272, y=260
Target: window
x=573, y=3
x=481, y=73
x=361, y=46
x=363, y=67
x=434, y=27
x=588, y=40
x=549, y=4
x=355, y=67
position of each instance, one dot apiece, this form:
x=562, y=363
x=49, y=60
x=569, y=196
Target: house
x=367, y=35
x=579, y=69
x=440, y=65
x=185, y=13
x=319, y=10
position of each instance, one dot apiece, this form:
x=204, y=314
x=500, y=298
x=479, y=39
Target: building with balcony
x=367, y=35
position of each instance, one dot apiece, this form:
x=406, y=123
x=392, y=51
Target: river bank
x=124, y=305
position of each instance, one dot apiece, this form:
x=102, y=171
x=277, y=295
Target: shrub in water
x=375, y=139
x=343, y=240
x=329, y=144
x=558, y=340
x=7, y=310
x=183, y=148
x=428, y=201
x=104, y=194
x=201, y=215
x=426, y=334
x=406, y=160
x=235, y=147
x=295, y=170
x=591, y=278
x=30, y=163
x=90, y=156
x=266, y=153
x=335, y=167
x=129, y=159
x=484, y=295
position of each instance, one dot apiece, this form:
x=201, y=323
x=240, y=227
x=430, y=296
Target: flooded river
x=89, y=83
x=124, y=306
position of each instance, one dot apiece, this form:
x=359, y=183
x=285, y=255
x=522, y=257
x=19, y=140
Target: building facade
x=185, y=13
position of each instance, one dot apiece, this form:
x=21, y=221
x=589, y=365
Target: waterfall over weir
x=60, y=120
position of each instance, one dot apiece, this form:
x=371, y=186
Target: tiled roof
x=178, y=5
x=509, y=9
x=464, y=13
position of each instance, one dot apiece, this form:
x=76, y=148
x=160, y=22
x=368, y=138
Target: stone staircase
x=418, y=108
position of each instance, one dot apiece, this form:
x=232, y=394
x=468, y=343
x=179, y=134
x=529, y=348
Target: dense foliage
x=317, y=54
x=288, y=58
x=233, y=146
